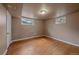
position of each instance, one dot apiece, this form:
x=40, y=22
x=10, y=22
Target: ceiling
x=31, y=10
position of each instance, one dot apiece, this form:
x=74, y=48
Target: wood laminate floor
x=42, y=46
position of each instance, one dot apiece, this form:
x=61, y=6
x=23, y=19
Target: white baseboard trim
x=40, y=36
x=63, y=41
x=6, y=49
x=26, y=38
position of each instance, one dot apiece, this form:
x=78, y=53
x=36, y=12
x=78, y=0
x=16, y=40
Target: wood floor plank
x=42, y=46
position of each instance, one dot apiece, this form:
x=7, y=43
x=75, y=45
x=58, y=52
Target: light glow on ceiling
x=43, y=12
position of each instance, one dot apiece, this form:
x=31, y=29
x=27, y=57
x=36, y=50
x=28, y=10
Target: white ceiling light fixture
x=43, y=12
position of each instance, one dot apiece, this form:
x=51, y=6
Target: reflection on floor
x=41, y=46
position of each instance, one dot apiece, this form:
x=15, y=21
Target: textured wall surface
x=68, y=32
x=5, y=30
x=3, y=41
x=24, y=31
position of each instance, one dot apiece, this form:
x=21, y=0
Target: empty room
x=39, y=28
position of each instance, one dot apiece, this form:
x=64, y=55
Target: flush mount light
x=43, y=12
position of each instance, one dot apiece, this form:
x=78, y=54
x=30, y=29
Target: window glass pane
x=61, y=20
x=26, y=21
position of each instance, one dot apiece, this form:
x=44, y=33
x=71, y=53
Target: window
x=26, y=21
x=60, y=20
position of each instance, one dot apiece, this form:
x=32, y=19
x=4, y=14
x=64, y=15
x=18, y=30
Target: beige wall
x=5, y=36
x=24, y=31
x=3, y=41
x=67, y=32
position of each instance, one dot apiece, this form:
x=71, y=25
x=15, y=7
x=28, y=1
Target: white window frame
x=27, y=21
x=60, y=20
